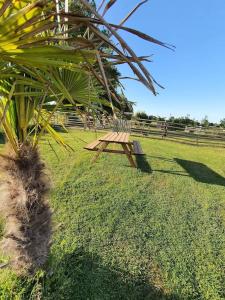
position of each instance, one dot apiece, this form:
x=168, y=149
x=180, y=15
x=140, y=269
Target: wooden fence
x=213, y=136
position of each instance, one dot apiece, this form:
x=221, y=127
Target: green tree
x=40, y=64
x=205, y=122
x=141, y=115
x=222, y=123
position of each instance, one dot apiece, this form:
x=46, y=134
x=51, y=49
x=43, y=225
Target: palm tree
x=25, y=121
x=30, y=78
x=41, y=64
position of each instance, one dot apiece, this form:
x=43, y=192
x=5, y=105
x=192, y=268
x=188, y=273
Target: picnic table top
x=116, y=137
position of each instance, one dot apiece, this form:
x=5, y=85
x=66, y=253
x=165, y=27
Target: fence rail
x=196, y=135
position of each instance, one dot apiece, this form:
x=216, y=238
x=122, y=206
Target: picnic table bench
x=122, y=138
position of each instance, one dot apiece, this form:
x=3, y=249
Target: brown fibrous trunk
x=24, y=206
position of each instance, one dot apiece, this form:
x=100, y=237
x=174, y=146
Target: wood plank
x=137, y=148
x=100, y=150
x=130, y=146
x=119, y=137
x=111, y=136
x=92, y=145
x=129, y=156
x=126, y=138
x=114, y=137
x=107, y=137
x=122, y=137
x=108, y=150
x=114, y=151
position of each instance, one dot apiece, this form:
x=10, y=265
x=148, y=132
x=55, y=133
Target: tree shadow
x=81, y=275
x=201, y=172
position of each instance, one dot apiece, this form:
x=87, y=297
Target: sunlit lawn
x=121, y=233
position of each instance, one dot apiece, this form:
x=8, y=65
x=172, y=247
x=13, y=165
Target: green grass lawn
x=120, y=233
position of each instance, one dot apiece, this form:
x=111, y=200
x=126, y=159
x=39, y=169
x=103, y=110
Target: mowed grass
x=120, y=233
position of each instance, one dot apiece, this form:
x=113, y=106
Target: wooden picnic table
x=122, y=138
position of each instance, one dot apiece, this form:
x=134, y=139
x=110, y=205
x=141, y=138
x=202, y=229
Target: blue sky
x=193, y=75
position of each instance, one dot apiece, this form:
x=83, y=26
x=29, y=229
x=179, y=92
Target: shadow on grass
x=145, y=167
x=143, y=164
x=200, y=172
x=59, y=128
x=82, y=275
x=161, y=158
x=179, y=173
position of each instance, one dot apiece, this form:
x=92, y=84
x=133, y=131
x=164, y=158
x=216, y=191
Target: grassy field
x=120, y=233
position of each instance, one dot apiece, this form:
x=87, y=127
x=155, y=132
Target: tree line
x=186, y=120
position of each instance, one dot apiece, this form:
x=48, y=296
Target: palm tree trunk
x=25, y=208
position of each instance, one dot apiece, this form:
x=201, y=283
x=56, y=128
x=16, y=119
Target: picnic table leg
x=102, y=146
x=130, y=146
x=129, y=156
